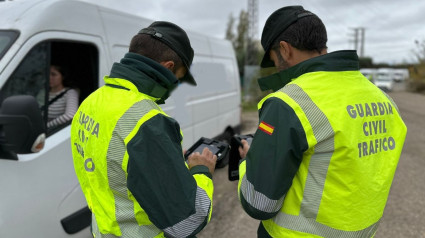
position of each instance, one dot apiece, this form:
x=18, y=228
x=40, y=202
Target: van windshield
x=6, y=40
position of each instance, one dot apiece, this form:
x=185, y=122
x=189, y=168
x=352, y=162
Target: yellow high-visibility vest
x=344, y=179
x=99, y=139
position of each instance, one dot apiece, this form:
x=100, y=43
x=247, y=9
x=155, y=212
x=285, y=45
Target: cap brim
x=188, y=78
x=267, y=62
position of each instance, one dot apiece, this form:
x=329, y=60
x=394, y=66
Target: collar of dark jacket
x=147, y=75
x=344, y=60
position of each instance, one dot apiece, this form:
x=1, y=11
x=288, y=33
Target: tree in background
x=230, y=35
x=365, y=62
x=240, y=38
x=420, y=51
x=240, y=41
x=417, y=72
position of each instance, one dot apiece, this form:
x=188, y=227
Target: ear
x=168, y=64
x=286, y=50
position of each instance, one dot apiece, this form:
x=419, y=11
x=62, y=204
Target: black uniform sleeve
x=273, y=160
x=160, y=181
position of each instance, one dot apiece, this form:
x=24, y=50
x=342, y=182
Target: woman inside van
x=63, y=99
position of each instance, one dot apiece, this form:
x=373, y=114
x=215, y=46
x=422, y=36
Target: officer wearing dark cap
x=127, y=151
x=316, y=166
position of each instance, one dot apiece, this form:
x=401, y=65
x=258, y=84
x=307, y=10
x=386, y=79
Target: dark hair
x=64, y=72
x=306, y=34
x=60, y=69
x=154, y=49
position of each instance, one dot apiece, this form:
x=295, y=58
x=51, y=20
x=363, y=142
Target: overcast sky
x=392, y=26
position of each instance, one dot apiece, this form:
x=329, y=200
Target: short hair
x=154, y=49
x=306, y=34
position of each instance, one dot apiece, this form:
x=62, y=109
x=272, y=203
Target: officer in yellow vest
x=127, y=152
x=328, y=142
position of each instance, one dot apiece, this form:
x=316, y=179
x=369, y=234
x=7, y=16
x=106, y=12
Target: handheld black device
x=220, y=149
x=234, y=156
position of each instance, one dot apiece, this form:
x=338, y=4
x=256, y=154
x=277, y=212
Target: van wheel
x=227, y=135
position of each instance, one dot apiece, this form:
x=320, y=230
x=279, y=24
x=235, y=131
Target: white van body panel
x=119, y=29
x=34, y=17
x=39, y=192
x=40, y=189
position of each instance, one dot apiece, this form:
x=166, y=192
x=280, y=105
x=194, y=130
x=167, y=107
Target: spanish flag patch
x=266, y=128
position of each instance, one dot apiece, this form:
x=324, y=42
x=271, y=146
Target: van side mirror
x=22, y=128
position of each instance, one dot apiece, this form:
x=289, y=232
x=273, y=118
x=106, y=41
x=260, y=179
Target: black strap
x=55, y=99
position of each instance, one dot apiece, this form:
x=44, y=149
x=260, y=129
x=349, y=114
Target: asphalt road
x=404, y=216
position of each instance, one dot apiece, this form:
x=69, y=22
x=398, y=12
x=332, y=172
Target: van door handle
x=77, y=221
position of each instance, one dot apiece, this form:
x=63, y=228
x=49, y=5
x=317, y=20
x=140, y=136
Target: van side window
x=32, y=77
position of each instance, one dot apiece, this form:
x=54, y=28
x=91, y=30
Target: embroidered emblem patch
x=266, y=128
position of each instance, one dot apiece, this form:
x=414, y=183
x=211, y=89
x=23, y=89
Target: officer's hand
x=243, y=151
x=207, y=158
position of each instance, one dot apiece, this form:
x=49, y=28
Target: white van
x=39, y=192
x=401, y=75
x=385, y=79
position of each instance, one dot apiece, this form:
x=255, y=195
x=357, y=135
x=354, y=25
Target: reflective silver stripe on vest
x=310, y=226
x=316, y=176
x=323, y=151
x=124, y=208
x=190, y=224
x=258, y=200
x=149, y=230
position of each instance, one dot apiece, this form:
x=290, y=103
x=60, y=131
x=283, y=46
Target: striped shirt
x=63, y=109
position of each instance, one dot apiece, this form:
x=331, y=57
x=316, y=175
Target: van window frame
x=100, y=66
x=92, y=54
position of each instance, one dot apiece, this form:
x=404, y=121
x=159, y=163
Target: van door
x=40, y=194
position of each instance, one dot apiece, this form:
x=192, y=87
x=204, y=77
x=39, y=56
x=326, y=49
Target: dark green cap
x=277, y=23
x=175, y=38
